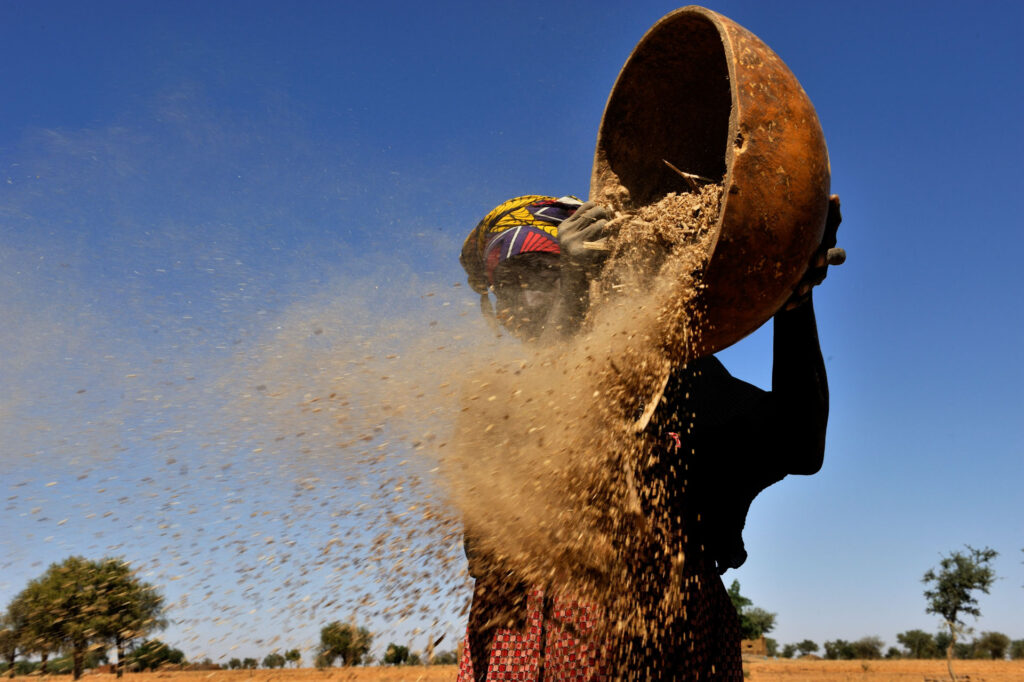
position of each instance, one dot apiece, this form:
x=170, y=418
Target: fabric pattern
x=702, y=643
x=539, y=215
x=569, y=654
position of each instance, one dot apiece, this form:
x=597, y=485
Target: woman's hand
x=580, y=239
x=826, y=255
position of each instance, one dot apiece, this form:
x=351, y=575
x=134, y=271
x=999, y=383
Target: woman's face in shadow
x=527, y=289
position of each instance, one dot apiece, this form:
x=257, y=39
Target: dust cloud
x=550, y=445
x=281, y=423
x=224, y=367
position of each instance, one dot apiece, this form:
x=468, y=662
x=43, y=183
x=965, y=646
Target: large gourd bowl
x=708, y=96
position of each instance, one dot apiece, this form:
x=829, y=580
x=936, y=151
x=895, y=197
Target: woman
x=716, y=442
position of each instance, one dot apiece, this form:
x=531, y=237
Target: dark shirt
x=732, y=440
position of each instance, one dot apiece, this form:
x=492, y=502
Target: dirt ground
x=411, y=673
x=760, y=671
x=877, y=671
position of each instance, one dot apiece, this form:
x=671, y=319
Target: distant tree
x=806, y=647
x=754, y=621
x=892, y=652
x=446, y=658
x=789, y=651
x=234, y=664
x=951, y=588
x=150, y=654
x=918, y=644
x=771, y=646
x=345, y=641
x=992, y=645
x=396, y=654
x=273, y=660
x=249, y=663
x=961, y=650
x=867, y=648
x=942, y=642
x=293, y=656
x=839, y=649
x=414, y=658
x=1017, y=649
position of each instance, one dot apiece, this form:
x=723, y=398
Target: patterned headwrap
x=522, y=225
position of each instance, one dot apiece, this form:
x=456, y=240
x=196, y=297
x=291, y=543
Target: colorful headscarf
x=525, y=224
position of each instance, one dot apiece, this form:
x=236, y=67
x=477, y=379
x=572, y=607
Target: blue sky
x=189, y=188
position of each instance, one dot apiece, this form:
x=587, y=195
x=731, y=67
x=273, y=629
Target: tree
x=64, y=665
x=754, y=621
x=739, y=602
x=293, y=656
x=344, y=641
x=8, y=641
x=30, y=614
x=867, y=648
x=951, y=589
x=150, y=654
x=839, y=649
x=1017, y=649
x=806, y=647
x=273, y=660
x=771, y=646
x=446, y=658
x=918, y=644
x=789, y=651
x=942, y=642
x=235, y=664
x=396, y=654
x=893, y=652
x=80, y=605
x=249, y=663
x=992, y=645
x=58, y=611
x=963, y=650
x=128, y=608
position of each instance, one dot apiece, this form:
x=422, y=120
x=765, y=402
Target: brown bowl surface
x=705, y=94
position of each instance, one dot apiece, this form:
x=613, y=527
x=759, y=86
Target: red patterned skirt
x=569, y=653
x=703, y=644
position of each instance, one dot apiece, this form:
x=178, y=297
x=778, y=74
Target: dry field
x=384, y=674
x=412, y=673
x=877, y=671
x=760, y=671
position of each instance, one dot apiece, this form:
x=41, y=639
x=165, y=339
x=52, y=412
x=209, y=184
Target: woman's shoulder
x=707, y=388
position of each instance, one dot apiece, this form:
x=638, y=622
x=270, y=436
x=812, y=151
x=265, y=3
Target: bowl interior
x=672, y=102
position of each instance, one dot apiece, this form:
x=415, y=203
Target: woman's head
x=513, y=253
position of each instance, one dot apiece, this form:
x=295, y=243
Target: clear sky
x=191, y=189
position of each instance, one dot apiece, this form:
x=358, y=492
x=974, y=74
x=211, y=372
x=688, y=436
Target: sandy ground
x=760, y=671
